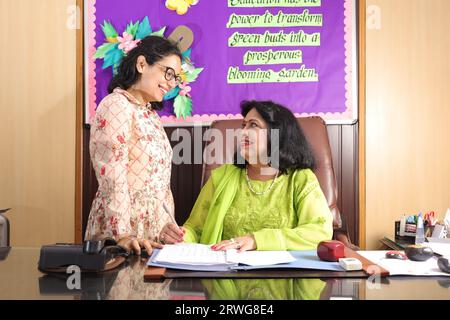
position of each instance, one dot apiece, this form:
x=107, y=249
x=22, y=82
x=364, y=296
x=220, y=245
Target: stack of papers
x=199, y=254
x=199, y=257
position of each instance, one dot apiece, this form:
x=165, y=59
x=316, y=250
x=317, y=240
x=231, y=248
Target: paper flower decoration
x=185, y=89
x=182, y=104
x=116, y=47
x=127, y=43
x=180, y=6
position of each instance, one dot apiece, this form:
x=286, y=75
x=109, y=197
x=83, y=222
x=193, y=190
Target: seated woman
x=271, y=200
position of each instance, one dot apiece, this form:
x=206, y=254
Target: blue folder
x=304, y=260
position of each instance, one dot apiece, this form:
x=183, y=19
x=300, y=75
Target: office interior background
x=403, y=131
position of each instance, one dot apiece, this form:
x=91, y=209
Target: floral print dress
x=132, y=157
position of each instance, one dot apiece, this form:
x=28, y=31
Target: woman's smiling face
x=253, y=142
x=153, y=83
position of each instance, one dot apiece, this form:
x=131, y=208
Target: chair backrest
x=316, y=134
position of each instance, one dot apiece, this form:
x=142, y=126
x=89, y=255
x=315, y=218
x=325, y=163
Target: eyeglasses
x=171, y=75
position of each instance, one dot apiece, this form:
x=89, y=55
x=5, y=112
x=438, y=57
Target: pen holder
x=429, y=231
x=410, y=231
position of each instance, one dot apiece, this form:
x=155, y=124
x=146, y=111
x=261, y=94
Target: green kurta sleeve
x=194, y=225
x=314, y=219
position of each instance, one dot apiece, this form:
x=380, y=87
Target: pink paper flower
x=127, y=43
x=185, y=89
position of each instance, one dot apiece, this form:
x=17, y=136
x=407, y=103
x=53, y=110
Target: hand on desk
x=243, y=243
x=171, y=233
x=134, y=244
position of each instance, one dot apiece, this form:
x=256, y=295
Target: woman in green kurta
x=269, y=199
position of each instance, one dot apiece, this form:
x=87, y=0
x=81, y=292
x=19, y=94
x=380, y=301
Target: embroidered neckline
x=133, y=99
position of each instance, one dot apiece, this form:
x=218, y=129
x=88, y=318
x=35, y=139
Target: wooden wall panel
x=37, y=109
x=349, y=179
x=344, y=150
x=407, y=113
x=186, y=178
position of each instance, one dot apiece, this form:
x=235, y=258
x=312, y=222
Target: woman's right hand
x=133, y=244
x=171, y=233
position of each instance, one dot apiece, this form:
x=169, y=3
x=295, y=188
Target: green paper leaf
x=132, y=28
x=172, y=93
x=192, y=76
x=144, y=29
x=109, y=30
x=113, y=57
x=159, y=33
x=187, y=54
x=103, y=50
x=182, y=106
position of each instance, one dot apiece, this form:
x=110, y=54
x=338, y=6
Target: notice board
x=299, y=53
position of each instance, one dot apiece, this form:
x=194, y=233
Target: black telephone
x=91, y=256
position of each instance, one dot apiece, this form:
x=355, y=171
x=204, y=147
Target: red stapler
x=330, y=250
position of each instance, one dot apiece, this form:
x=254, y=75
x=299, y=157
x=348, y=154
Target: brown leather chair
x=315, y=132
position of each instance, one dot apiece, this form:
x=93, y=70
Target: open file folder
x=185, y=257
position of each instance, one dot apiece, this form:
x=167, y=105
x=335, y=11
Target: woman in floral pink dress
x=130, y=151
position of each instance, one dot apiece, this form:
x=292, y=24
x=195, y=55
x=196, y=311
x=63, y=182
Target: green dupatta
x=225, y=180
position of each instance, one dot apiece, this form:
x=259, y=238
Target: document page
x=194, y=254
x=259, y=258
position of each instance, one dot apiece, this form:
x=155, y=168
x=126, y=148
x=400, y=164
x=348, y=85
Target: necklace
x=262, y=192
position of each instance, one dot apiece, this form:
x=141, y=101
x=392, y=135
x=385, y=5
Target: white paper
x=398, y=267
x=200, y=254
x=439, y=247
x=259, y=258
x=194, y=254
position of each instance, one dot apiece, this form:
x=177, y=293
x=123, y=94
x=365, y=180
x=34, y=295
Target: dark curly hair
x=293, y=148
x=154, y=49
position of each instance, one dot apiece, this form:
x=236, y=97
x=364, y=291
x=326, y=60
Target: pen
x=171, y=217
x=168, y=212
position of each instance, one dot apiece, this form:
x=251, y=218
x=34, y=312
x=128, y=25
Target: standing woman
x=130, y=151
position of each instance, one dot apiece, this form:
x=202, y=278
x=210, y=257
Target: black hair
x=154, y=49
x=293, y=149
